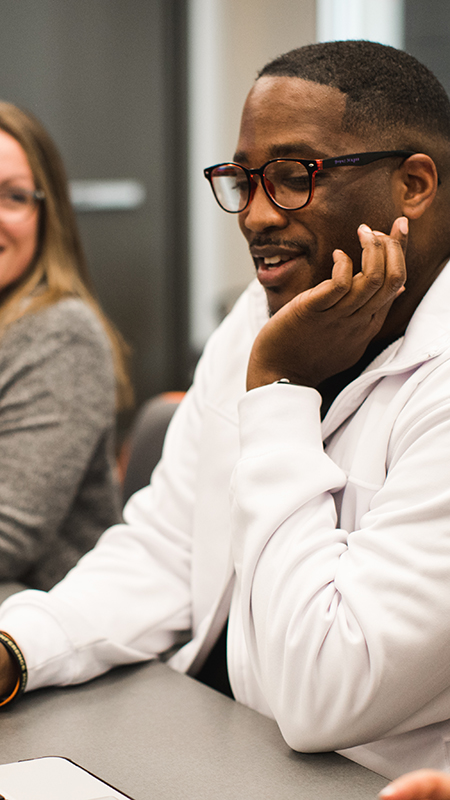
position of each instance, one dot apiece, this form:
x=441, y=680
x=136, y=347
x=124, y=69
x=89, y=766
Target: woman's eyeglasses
x=288, y=182
x=16, y=205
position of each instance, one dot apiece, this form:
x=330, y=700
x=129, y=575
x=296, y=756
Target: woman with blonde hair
x=62, y=369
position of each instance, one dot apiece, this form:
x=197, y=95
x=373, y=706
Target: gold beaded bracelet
x=8, y=642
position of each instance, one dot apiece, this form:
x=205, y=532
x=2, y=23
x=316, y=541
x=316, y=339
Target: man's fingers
x=399, y=232
x=376, y=286
x=330, y=292
x=383, y=271
x=373, y=263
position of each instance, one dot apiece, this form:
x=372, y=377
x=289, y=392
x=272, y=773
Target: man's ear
x=417, y=184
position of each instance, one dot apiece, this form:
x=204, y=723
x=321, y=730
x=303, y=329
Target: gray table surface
x=152, y=732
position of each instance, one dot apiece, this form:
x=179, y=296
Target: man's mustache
x=285, y=244
x=289, y=244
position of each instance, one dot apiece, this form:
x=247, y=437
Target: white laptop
x=53, y=778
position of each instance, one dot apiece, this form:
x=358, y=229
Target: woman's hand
x=326, y=329
x=425, y=784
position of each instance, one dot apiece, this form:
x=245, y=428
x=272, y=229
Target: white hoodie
x=336, y=558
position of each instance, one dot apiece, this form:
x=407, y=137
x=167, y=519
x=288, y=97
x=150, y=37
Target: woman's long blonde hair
x=59, y=268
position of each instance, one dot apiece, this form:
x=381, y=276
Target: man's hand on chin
x=325, y=330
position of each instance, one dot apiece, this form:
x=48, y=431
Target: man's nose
x=261, y=213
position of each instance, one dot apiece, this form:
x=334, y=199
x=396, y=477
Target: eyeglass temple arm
x=360, y=159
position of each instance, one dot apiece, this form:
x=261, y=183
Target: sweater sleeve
x=56, y=402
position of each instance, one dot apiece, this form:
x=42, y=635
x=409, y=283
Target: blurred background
x=140, y=95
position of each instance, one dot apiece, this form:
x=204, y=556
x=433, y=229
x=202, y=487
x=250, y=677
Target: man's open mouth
x=274, y=261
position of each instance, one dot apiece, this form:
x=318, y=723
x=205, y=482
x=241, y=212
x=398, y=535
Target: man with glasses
x=324, y=402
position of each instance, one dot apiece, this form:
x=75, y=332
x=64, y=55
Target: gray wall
x=107, y=79
x=427, y=35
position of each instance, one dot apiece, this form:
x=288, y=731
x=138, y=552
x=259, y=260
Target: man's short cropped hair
x=386, y=88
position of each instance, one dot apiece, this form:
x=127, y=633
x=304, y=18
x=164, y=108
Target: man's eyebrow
x=293, y=149
x=285, y=150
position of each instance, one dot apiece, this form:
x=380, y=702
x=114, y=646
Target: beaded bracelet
x=8, y=642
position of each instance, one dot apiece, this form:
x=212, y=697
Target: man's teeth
x=272, y=260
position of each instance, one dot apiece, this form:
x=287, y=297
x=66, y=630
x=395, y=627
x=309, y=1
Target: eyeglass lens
x=287, y=183
x=16, y=204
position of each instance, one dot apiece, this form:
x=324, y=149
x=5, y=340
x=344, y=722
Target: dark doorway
x=107, y=78
x=427, y=35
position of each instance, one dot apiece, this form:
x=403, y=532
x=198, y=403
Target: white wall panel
x=376, y=20
x=229, y=41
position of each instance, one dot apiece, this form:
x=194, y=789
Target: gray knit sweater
x=57, y=490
